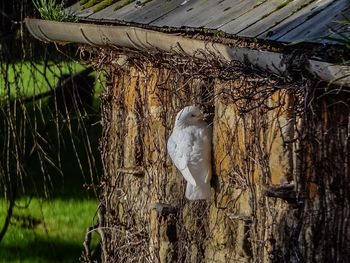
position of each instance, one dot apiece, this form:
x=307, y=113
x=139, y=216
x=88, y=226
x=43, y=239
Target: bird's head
x=189, y=115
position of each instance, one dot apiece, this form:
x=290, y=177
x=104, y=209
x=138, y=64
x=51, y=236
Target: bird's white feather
x=189, y=147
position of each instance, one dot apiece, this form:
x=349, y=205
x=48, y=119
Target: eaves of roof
x=149, y=40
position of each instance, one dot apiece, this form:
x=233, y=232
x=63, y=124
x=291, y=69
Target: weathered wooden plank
x=295, y=19
x=142, y=14
x=251, y=17
x=73, y=8
x=330, y=33
x=281, y=13
x=229, y=10
x=333, y=28
x=91, y=11
x=314, y=28
x=76, y=10
x=287, y=20
x=194, y=13
x=151, y=11
x=183, y=12
x=210, y=14
x=115, y=10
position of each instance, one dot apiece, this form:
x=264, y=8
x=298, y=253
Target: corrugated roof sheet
x=279, y=20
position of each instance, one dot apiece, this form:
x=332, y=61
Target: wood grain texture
x=296, y=19
x=317, y=24
x=251, y=17
x=274, y=18
x=285, y=21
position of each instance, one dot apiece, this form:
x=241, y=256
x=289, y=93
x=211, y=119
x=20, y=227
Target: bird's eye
x=193, y=115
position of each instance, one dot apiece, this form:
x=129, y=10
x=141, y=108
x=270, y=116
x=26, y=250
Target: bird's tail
x=198, y=192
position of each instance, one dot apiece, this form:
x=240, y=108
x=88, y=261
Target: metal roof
x=278, y=20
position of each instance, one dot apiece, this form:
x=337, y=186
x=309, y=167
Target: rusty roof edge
x=149, y=40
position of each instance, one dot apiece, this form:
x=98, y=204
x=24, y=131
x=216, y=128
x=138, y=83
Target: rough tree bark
x=281, y=163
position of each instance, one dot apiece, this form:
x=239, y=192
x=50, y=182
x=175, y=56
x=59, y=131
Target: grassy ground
x=30, y=78
x=53, y=211
x=46, y=230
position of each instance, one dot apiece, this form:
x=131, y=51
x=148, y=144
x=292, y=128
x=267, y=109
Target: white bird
x=189, y=147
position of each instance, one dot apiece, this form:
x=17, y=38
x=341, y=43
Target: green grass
x=29, y=78
x=53, y=10
x=46, y=231
x=50, y=229
x=36, y=78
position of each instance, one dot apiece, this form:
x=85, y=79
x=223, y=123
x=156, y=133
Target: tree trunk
x=280, y=191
